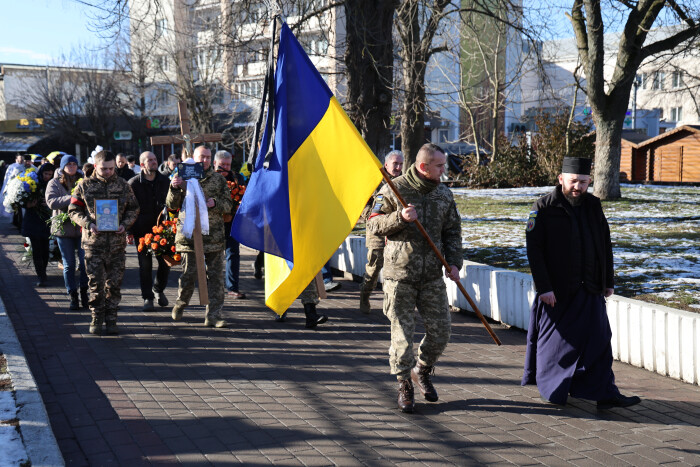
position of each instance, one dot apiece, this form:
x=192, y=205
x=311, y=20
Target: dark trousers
x=146, y=275
x=40, y=255
x=233, y=263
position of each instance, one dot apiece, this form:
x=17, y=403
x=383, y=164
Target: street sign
x=122, y=135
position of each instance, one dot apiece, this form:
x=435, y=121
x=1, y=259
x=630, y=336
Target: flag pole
x=437, y=252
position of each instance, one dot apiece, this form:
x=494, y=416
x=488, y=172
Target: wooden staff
x=437, y=252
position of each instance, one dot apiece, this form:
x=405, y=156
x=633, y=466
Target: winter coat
x=151, y=197
x=58, y=199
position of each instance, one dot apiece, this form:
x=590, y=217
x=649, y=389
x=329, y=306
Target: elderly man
x=150, y=188
x=217, y=198
x=412, y=271
x=571, y=259
x=222, y=164
x=393, y=163
x=105, y=251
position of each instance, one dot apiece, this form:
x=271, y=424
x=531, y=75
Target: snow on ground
x=12, y=450
x=655, y=232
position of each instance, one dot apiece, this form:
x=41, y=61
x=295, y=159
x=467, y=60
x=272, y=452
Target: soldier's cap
x=576, y=165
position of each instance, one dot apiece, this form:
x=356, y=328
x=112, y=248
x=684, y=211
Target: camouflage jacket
x=82, y=210
x=214, y=186
x=407, y=255
x=373, y=242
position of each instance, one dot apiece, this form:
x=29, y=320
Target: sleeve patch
x=530, y=224
x=533, y=214
x=377, y=208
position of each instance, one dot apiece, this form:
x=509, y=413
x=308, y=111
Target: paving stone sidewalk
x=262, y=392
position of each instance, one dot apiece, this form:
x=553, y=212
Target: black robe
x=568, y=345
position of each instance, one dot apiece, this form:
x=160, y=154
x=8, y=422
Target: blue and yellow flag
x=312, y=178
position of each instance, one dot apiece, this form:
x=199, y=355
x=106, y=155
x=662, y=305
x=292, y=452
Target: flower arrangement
x=237, y=192
x=21, y=190
x=161, y=242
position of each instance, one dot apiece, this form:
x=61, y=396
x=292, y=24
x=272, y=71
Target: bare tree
x=609, y=99
x=369, y=59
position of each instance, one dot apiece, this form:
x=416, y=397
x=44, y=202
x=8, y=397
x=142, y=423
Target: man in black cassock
x=570, y=255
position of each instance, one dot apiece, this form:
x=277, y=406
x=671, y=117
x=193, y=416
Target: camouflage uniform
x=214, y=186
x=375, y=255
x=412, y=272
x=310, y=294
x=105, y=252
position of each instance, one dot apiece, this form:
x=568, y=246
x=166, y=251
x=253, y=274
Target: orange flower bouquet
x=237, y=191
x=162, y=242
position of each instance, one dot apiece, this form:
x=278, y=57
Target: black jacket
x=551, y=245
x=151, y=197
x=125, y=172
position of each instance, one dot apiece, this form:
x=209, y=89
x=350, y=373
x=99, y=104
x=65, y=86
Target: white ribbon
x=195, y=196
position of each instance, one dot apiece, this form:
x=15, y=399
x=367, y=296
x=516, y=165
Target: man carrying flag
x=312, y=177
x=412, y=271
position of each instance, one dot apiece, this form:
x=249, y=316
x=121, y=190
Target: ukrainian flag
x=312, y=178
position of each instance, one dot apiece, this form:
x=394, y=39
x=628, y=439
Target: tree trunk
x=413, y=121
x=370, y=68
x=607, y=158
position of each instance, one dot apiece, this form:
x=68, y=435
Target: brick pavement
x=262, y=392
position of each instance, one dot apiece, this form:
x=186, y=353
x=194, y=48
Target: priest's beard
x=573, y=200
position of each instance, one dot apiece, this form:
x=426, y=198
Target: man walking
x=412, y=271
x=217, y=199
x=570, y=255
x=222, y=164
x=393, y=163
x=150, y=188
x=105, y=251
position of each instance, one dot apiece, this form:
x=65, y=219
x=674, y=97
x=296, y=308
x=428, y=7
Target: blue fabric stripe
x=301, y=88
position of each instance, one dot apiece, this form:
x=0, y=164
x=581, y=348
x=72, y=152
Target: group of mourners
x=568, y=246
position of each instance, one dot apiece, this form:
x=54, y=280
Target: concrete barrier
x=646, y=335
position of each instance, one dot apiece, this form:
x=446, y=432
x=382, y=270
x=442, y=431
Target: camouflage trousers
x=310, y=293
x=375, y=262
x=105, y=271
x=400, y=302
x=215, y=281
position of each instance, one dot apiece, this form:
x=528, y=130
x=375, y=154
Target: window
x=443, y=136
x=218, y=98
x=162, y=98
x=161, y=27
x=659, y=78
x=644, y=78
x=676, y=114
x=677, y=79
x=163, y=62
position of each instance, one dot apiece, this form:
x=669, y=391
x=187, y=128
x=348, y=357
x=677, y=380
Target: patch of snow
x=12, y=451
x=8, y=409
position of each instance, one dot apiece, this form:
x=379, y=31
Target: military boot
x=84, y=297
x=420, y=374
x=312, y=318
x=405, y=400
x=177, y=312
x=112, y=328
x=96, y=324
x=365, y=306
x=74, y=303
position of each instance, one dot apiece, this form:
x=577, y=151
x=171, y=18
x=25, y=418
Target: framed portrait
x=189, y=171
x=107, y=215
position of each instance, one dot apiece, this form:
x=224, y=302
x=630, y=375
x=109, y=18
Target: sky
x=38, y=32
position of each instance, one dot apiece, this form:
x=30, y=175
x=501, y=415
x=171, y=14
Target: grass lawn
x=655, y=233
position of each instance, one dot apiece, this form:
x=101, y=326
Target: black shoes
x=148, y=305
x=405, y=400
x=420, y=374
x=74, y=303
x=281, y=318
x=257, y=271
x=162, y=299
x=618, y=401
x=312, y=318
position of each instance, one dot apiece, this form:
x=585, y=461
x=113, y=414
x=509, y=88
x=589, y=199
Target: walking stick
x=461, y=288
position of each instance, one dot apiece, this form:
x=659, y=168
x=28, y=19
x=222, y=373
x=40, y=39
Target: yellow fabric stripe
x=331, y=177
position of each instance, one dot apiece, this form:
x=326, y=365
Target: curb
x=37, y=436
